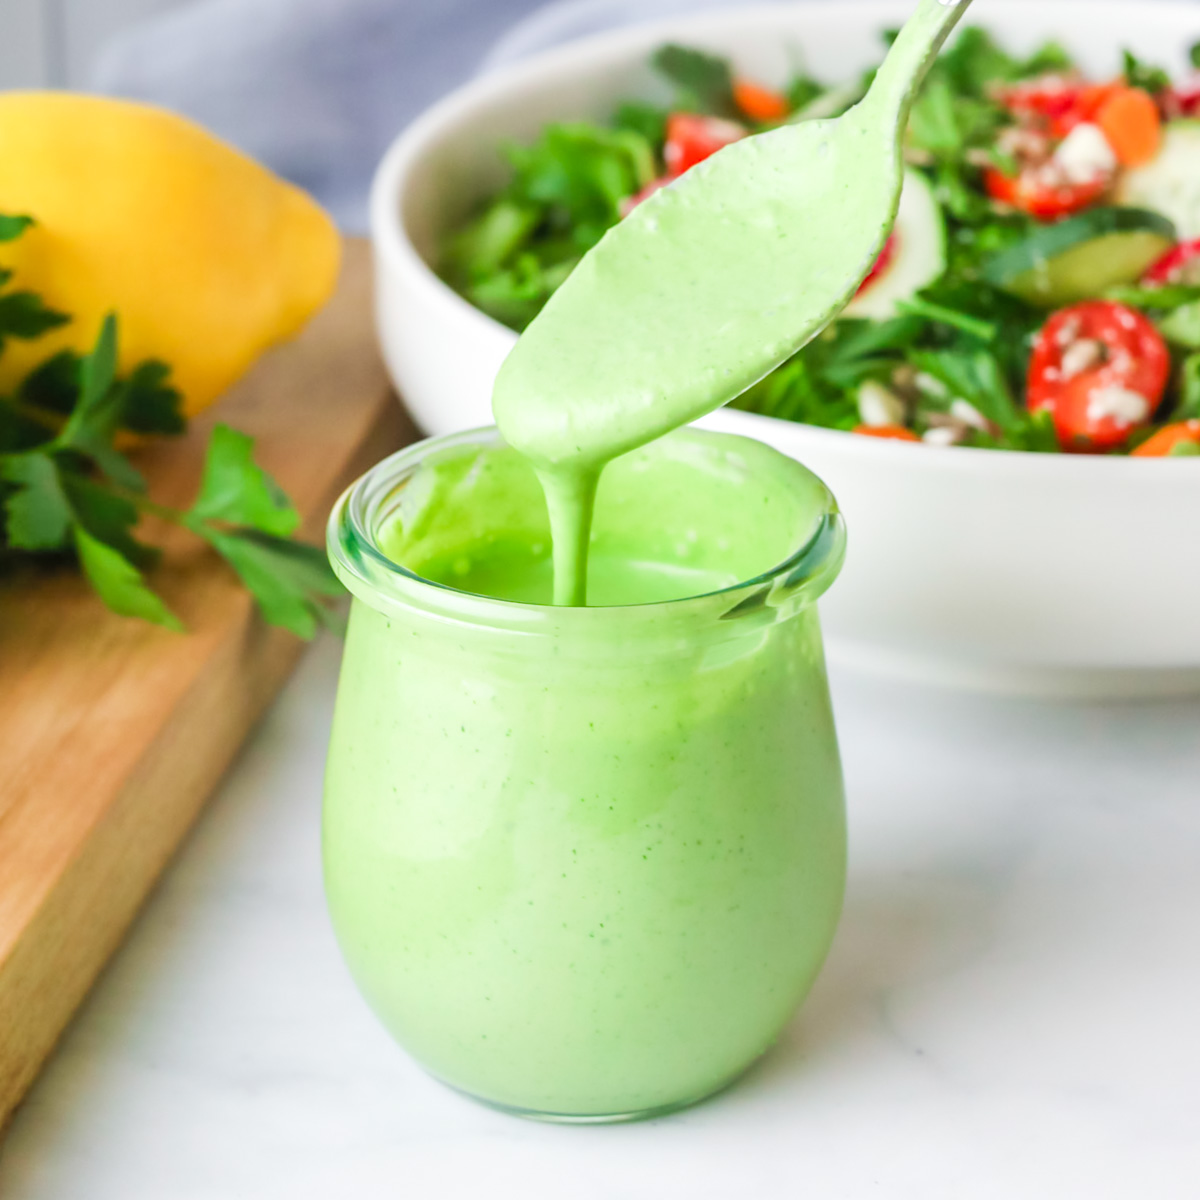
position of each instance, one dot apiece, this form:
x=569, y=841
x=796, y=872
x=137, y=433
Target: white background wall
x=51, y=43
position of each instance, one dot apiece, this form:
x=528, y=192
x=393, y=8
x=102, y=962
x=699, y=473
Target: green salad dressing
x=704, y=288
x=584, y=861
x=725, y=509
x=587, y=861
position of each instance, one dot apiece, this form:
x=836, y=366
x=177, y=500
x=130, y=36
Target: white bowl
x=1025, y=573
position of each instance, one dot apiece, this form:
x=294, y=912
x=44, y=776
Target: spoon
x=712, y=282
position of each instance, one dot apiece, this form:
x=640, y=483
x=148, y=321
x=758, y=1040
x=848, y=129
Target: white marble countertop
x=1011, y=1009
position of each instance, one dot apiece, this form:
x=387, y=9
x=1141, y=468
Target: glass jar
x=584, y=863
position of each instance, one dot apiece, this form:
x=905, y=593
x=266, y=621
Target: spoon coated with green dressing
x=705, y=287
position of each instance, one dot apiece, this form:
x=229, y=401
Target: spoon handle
x=916, y=46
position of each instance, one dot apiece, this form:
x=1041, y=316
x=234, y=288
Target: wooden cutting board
x=113, y=733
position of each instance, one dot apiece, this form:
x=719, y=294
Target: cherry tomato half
x=1170, y=440
x=895, y=432
x=691, y=138
x=1059, y=102
x=1033, y=191
x=1180, y=264
x=882, y=263
x=1180, y=99
x=1100, y=369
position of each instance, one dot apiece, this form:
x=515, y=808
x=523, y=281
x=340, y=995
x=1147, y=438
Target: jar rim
x=382, y=582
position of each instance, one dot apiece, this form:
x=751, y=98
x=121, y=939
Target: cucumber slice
x=919, y=257
x=1078, y=258
x=1170, y=183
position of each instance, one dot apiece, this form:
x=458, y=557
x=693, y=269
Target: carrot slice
x=1163, y=443
x=759, y=103
x=1130, y=120
x=897, y=432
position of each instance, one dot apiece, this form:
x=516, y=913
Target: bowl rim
x=393, y=245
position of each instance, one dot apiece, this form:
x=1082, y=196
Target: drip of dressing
x=707, y=286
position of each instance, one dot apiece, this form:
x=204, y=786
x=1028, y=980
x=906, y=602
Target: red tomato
x=1165, y=441
x=882, y=262
x=1180, y=264
x=1180, y=99
x=1100, y=369
x=1057, y=101
x=1034, y=190
x=1047, y=96
x=896, y=432
x=691, y=138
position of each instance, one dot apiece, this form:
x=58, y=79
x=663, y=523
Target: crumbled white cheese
x=1122, y=405
x=1068, y=331
x=941, y=435
x=964, y=411
x=930, y=384
x=1085, y=154
x=878, y=405
x=1081, y=356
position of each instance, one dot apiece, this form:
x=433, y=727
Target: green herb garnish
x=703, y=81
x=66, y=489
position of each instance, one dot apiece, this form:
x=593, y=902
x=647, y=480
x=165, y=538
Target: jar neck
x=365, y=509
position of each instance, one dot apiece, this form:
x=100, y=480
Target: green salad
x=1041, y=288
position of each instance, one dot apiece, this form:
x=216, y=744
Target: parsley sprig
x=67, y=489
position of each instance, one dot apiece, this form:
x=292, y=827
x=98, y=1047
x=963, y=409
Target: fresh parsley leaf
x=647, y=120
x=52, y=385
x=803, y=390
x=858, y=339
x=581, y=172
x=1141, y=75
x=291, y=582
x=37, y=511
x=149, y=404
x=1033, y=432
x=107, y=516
x=566, y=191
x=802, y=90
x=93, y=413
x=21, y=430
x=517, y=294
x=11, y=227
x=972, y=60
x=98, y=370
x=1049, y=58
x=236, y=491
x=119, y=583
x=933, y=124
x=976, y=377
x=704, y=81
x=23, y=315
x=98, y=412
x=918, y=306
x=491, y=239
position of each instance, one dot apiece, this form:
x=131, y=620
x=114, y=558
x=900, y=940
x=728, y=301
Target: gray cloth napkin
x=314, y=88
x=318, y=88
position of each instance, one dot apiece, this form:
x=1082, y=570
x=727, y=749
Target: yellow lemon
x=206, y=257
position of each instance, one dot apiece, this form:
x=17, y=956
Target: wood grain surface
x=113, y=733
